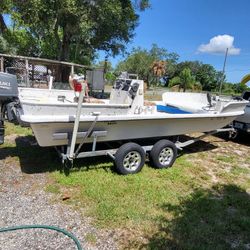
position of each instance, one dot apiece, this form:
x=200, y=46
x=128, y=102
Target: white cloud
x=219, y=44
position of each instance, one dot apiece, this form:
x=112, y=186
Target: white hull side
x=130, y=129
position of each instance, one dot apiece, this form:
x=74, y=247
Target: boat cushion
x=171, y=110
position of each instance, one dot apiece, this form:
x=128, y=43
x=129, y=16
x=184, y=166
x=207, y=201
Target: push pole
x=223, y=71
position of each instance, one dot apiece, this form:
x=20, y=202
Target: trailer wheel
x=163, y=154
x=129, y=158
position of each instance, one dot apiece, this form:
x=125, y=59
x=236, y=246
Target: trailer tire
x=129, y=158
x=163, y=154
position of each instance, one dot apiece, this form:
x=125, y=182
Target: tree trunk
x=3, y=26
x=58, y=41
x=65, y=45
x=184, y=87
x=64, y=54
x=147, y=81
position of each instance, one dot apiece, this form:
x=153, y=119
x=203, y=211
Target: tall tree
x=72, y=29
x=205, y=74
x=184, y=81
x=4, y=8
x=141, y=61
x=239, y=88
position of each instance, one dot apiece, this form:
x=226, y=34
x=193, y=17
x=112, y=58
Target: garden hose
x=70, y=235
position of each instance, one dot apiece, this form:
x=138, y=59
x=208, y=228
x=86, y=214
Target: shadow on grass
x=199, y=146
x=242, y=138
x=35, y=159
x=32, y=158
x=93, y=163
x=218, y=218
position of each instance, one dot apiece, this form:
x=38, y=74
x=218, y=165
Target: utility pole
x=223, y=71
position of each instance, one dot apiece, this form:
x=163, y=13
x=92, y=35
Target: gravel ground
x=23, y=201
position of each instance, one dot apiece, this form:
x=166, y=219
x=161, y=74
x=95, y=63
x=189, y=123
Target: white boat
x=51, y=114
x=68, y=119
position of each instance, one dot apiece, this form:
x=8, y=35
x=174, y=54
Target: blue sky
x=187, y=26
x=182, y=26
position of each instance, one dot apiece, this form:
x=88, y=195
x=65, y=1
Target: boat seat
x=171, y=110
x=190, y=102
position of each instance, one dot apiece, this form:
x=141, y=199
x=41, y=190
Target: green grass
x=90, y=238
x=18, y=149
x=51, y=188
x=236, y=170
x=226, y=159
x=176, y=208
x=11, y=129
x=172, y=207
x=217, y=218
x=116, y=200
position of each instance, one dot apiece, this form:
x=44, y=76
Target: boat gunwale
x=73, y=104
x=117, y=118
